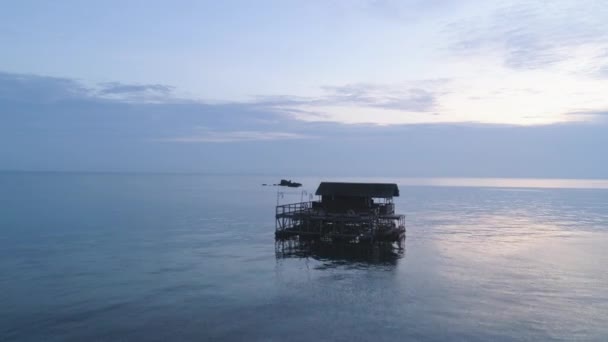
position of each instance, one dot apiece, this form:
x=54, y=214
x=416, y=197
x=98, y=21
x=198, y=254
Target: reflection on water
x=339, y=254
x=529, y=183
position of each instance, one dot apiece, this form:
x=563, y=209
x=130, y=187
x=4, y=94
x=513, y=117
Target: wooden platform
x=306, y=220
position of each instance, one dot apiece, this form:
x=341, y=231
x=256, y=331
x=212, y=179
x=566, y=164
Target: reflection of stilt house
x=349, y=212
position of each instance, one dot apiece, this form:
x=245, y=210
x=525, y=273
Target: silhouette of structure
x=346, y=212
x=289, y=183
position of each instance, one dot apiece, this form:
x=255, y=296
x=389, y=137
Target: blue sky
x=431, y=88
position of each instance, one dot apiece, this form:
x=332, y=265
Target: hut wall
x=342, y=204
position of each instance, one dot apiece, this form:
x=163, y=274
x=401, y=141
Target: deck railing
x=293, y=208
x=306, y=207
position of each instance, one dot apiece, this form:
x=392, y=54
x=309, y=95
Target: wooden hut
x=350, y=212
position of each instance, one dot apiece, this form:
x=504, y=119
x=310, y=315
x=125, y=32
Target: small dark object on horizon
x=289, y=183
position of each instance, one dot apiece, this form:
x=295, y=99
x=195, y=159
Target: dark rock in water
x=289, y=183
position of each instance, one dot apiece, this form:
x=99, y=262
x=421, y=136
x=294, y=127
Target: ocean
x=160, y=257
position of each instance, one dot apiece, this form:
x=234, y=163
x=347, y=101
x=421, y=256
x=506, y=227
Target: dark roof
x=378, y=190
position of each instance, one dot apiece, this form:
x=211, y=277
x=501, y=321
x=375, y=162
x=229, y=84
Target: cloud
x=62, y=106
x=532, y=35
x=120, y=88
x=27, y=88
x=380, y=96
x=89, y=133
x=131, y=92
x=364, y=102
x=400, y=97
x=595, y=115
x=601, y=70
x=541, y=100
x=209, y=136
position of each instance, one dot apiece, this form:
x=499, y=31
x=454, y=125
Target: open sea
x=161, y=257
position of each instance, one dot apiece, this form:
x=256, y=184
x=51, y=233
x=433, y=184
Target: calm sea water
x=106, y=257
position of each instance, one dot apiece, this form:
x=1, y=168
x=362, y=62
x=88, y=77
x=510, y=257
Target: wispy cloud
x=27, y=87
x=209, y=136
x=597, y=114
x=121, y=88
x=599, y=68
x=132, y=92
x=381, y=96
x=394, y=102
x=532, y=35
x=406, y=97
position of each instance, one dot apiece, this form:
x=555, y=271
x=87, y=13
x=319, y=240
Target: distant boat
x=289, y=183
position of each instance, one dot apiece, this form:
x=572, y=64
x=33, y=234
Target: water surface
x=176, y=257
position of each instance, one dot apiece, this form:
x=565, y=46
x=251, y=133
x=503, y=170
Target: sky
x=359, y=87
